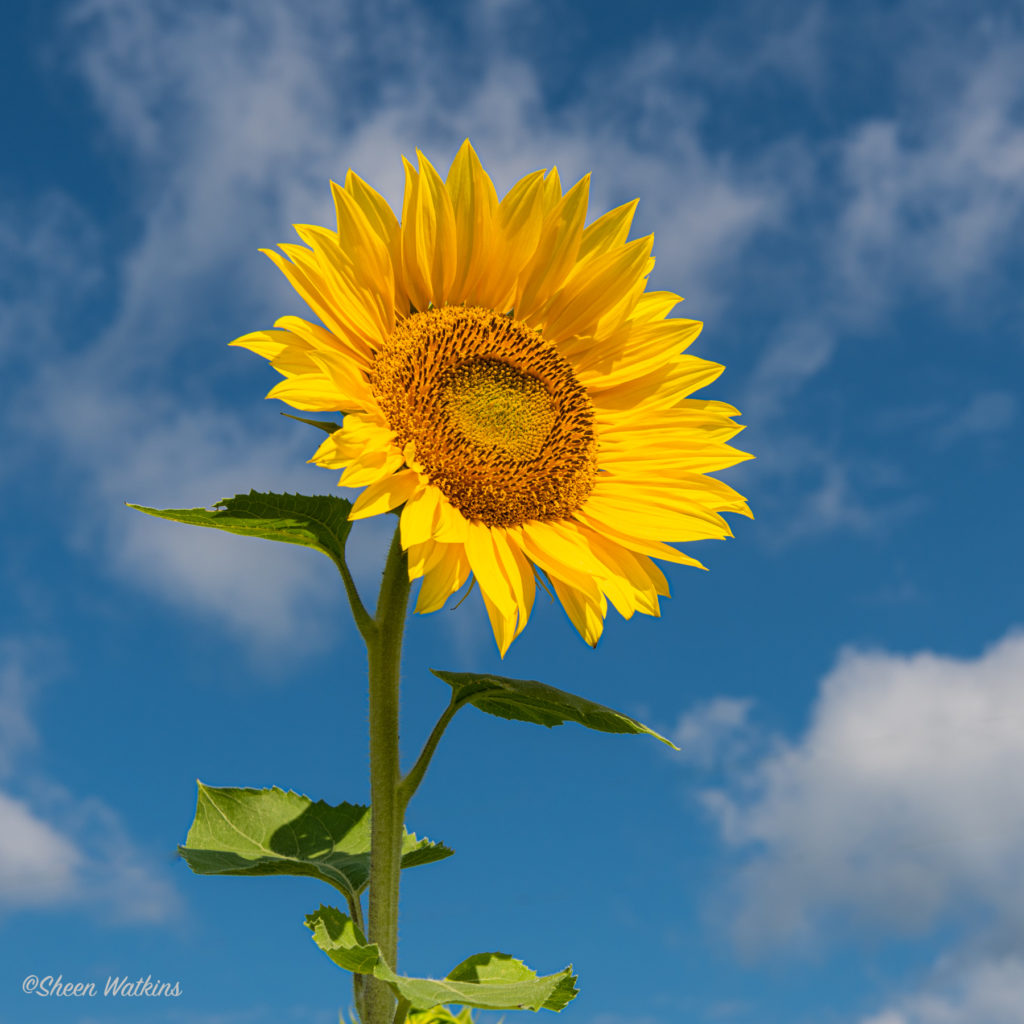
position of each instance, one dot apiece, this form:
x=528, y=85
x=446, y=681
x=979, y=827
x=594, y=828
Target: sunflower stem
x=384, y=650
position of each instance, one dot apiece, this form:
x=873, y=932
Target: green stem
x=355, y=911
x=384, y=649
x=364, y=621
x=410, y=783
x=401, y=1010
x=359, y=996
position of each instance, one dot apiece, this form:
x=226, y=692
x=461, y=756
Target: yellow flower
x=508, y=381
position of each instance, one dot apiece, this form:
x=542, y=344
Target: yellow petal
x=264, y=343
x=610, y=528
x=656, y=305
x=503, y=625
x=490, y=576
x=556, y=252
x=518, y=573
x=628, y=570
x=475, y=204
x=633, y=350
x=385, y=495
x=370, y=257
x=365, y=306
x=425, y=557
x=452, y=526
x=311, y=393
x=327, y=294
x=559, y=556
x=382, y=219
x=519, y=225
x=665, y=387
x=586, y=614
x=608, y=232
x=656, y=521
x=591, y=292
x=316, y=337
x=428, y=236
x=371, y=467
x=443, y=580
x=352, y=387
x=419, y=517
x=444, y=260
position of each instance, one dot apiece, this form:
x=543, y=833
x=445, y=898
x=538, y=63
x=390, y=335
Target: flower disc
x=497, y=419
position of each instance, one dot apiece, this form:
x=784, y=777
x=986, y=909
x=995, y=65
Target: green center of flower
x=499, y=422
x=496, y=406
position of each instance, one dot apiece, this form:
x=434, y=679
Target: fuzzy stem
x=384, y=649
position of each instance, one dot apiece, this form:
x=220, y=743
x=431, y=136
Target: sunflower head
x=511, y=387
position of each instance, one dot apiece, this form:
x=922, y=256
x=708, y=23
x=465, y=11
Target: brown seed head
x=499, y=421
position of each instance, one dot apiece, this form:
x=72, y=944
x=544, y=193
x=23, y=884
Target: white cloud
x=231, y=127
x=936, y=194
x=38, y=865
x=986, y=991
x=900, y=803
x=238, y=114
x=58, y=849
x=713, y=731
x=116, y=447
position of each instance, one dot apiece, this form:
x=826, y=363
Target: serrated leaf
x=313, y=520
x=273, y=832
x=488, y=981
x=526, y=700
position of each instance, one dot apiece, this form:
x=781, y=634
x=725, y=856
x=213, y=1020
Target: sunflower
x=509, y=385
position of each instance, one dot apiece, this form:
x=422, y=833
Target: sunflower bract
x=511, y=386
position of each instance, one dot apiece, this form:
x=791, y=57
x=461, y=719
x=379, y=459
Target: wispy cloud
x=936, y=193
x=786, y=41
x=988, y=412
x=49, y=263
x=714, y=732
x=795, y=352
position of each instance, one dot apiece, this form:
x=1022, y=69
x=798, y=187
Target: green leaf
x=315, y=521
x=327, y=426
x=271, y=832
x=526, y=700
x=489, y=981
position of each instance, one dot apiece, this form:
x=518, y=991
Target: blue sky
x=839, y=192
